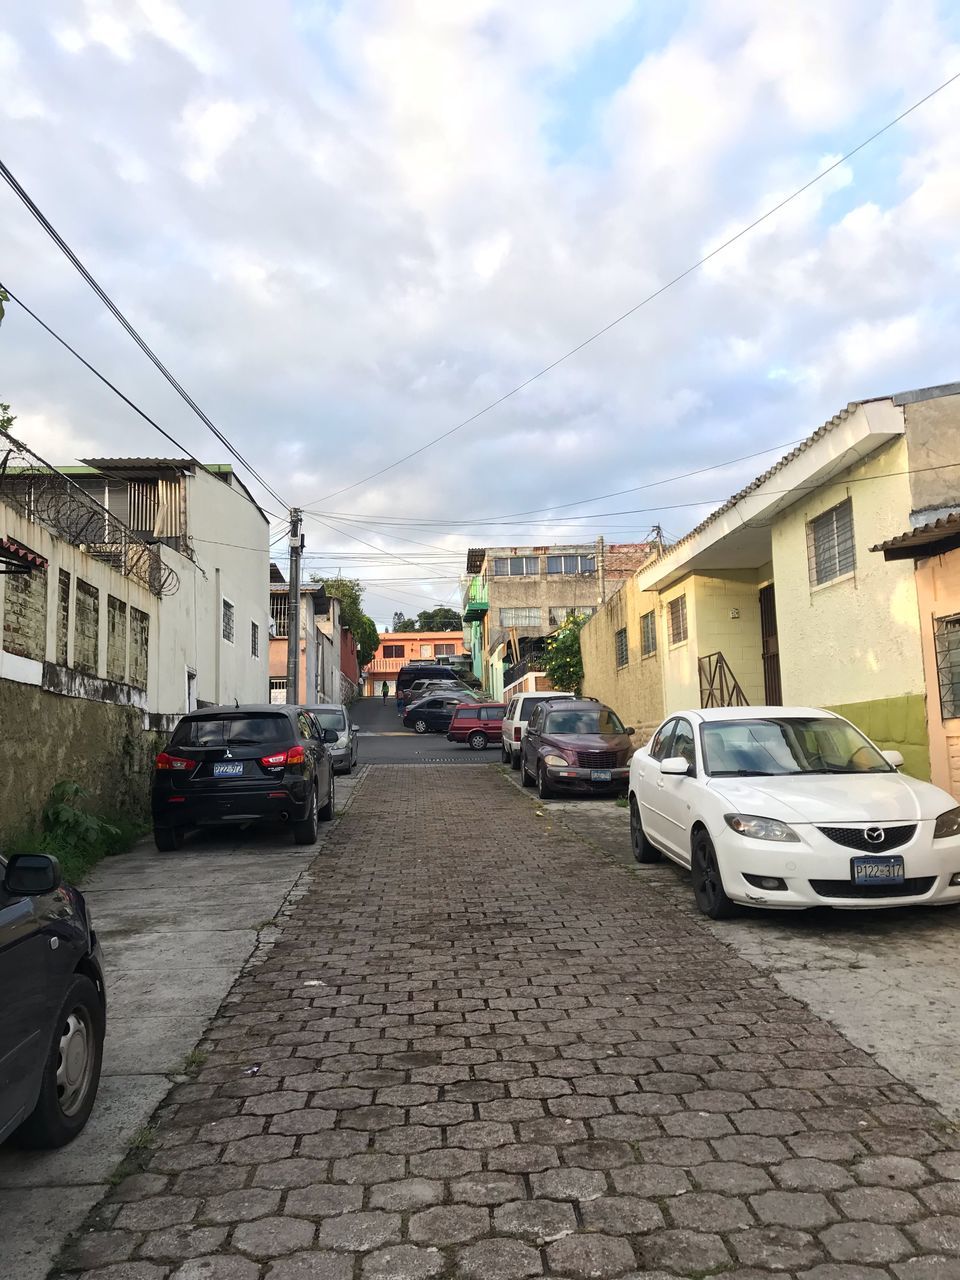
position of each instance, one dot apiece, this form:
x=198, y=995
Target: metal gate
x=770, y=647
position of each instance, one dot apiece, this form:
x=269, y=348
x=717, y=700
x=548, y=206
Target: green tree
x=402, y=623
x=439, y=619
x=564, y=661
x=350, y=594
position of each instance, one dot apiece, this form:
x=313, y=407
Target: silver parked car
x=343, y=752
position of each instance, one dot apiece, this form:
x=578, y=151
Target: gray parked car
x=343, y=752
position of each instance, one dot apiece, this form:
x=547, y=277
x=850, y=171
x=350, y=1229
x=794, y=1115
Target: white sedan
x=790, y=807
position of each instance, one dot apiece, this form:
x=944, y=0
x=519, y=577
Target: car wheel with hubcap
x=707, y=882
x=420, y=726
x=544, y=789
x=305, y=831
x=477, y=741
x=643, y=850
x=71, y=1074
x=168, y=839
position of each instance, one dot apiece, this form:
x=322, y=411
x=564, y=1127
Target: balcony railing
x=476, y=600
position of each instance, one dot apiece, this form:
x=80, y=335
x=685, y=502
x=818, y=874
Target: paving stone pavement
x=480, y=1049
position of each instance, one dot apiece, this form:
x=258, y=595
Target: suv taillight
x=294, y=756
x=517, y=733
x=177, y=763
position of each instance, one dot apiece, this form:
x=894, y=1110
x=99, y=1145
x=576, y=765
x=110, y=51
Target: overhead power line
x=115, y=311
x=125, y=398
x=650, y=297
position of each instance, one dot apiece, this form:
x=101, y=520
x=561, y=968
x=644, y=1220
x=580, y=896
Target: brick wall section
x=515, y=1062
x=139, y=647
x=63, y=616
x=86, y=627
x=25, y=614
x=116, y=639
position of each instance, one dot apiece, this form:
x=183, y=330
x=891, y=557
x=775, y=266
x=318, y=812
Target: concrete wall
x=933, y=438
x=856, y=639
x=894, y=724
x=719, y=596
x=634, y=691
x=681, y=672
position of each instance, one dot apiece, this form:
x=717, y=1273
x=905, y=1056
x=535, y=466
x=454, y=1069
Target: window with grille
x=444, y=650
x=279, y=613
x=393, y=650
x=677, y=617
x=571, y=564
x=516, y=567
x=278, y=689
x=254, y=640
x=648, y=634
x=228, y=621
x=620, y=643
x=520, y=617
x=947, y=637
x=558, y=614
x=830, y=549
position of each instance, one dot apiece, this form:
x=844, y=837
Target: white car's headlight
x=747, y=824
x=948, y=824
x=555, y=762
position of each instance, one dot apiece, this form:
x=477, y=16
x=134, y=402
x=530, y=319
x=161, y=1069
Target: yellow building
x=775, y=599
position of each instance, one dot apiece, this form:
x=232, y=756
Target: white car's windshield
x=757, y=748
x=331, y=719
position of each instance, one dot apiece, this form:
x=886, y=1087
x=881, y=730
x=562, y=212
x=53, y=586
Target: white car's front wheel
x=643, y=850
x=707, y=882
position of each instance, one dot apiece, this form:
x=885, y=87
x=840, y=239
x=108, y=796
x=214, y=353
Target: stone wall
x=86, y=628
x=116, y=639
x=25, y=614
x=101, y=745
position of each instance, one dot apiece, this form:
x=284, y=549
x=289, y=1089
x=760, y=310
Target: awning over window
x=16, y=558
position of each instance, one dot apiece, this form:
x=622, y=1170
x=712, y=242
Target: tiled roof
x=913, y=542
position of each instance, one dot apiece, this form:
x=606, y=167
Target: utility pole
x=293, y=607
x=601, y=572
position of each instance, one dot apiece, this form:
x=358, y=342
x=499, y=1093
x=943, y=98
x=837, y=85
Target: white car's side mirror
x=675, y=765
x=894, y=758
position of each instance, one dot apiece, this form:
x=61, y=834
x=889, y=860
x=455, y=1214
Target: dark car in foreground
x=53, y=1004
x=479, y=724
x=576, y=745
x=243, y=764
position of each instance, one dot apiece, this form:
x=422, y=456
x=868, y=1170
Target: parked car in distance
x=790, y=807
x=479, y=724
x=241, y=764
x=576, y=745
x=54, y=1005
x=432, y=714
x=425, y=671
x=343, y=752
x=515, y=720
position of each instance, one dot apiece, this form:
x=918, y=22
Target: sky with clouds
x=347, y=226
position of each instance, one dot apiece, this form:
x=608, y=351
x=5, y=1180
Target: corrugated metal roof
x=914, y=543
x=136, y=464
x=475, y=558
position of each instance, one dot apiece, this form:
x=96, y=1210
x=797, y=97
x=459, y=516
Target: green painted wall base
x=895, y=724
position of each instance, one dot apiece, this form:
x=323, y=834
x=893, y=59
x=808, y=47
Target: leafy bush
x=564, y=661
x=77, y=838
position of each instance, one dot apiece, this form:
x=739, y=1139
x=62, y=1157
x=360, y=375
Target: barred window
x=620, y=640
x=254, y=640
x=947, y=637
x=830, y=549
x=677, y=618
x=228, y=621
x=520, y=617
x=648, y=634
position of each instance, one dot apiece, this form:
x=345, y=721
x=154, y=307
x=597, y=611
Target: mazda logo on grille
x=875, y=835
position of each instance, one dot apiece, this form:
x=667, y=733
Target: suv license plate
x=228, y=770
x=877, y=870
x=601, y=775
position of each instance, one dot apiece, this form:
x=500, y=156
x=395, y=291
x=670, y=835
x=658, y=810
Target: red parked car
x=480, y=724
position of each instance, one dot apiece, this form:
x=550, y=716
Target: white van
x=515, y=722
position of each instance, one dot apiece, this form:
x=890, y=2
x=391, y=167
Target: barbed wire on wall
x=42, y=494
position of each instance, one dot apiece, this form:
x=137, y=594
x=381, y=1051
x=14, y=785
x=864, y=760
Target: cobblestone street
x=478, y=1048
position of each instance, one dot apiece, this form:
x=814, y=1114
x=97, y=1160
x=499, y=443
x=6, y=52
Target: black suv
x=54, y=1008
x=241, y=764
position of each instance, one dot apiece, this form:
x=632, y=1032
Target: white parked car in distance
x=790, y=807
x=515, y=720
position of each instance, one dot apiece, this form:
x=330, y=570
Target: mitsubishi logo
x=875, y=835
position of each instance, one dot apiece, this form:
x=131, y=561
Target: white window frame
x=843, y=572
x=522, y=609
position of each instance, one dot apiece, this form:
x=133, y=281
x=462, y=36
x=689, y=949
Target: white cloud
x=347, y=227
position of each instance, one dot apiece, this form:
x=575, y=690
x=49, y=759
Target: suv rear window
x=526, y=710
x=217, y=731
x=465, y=713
